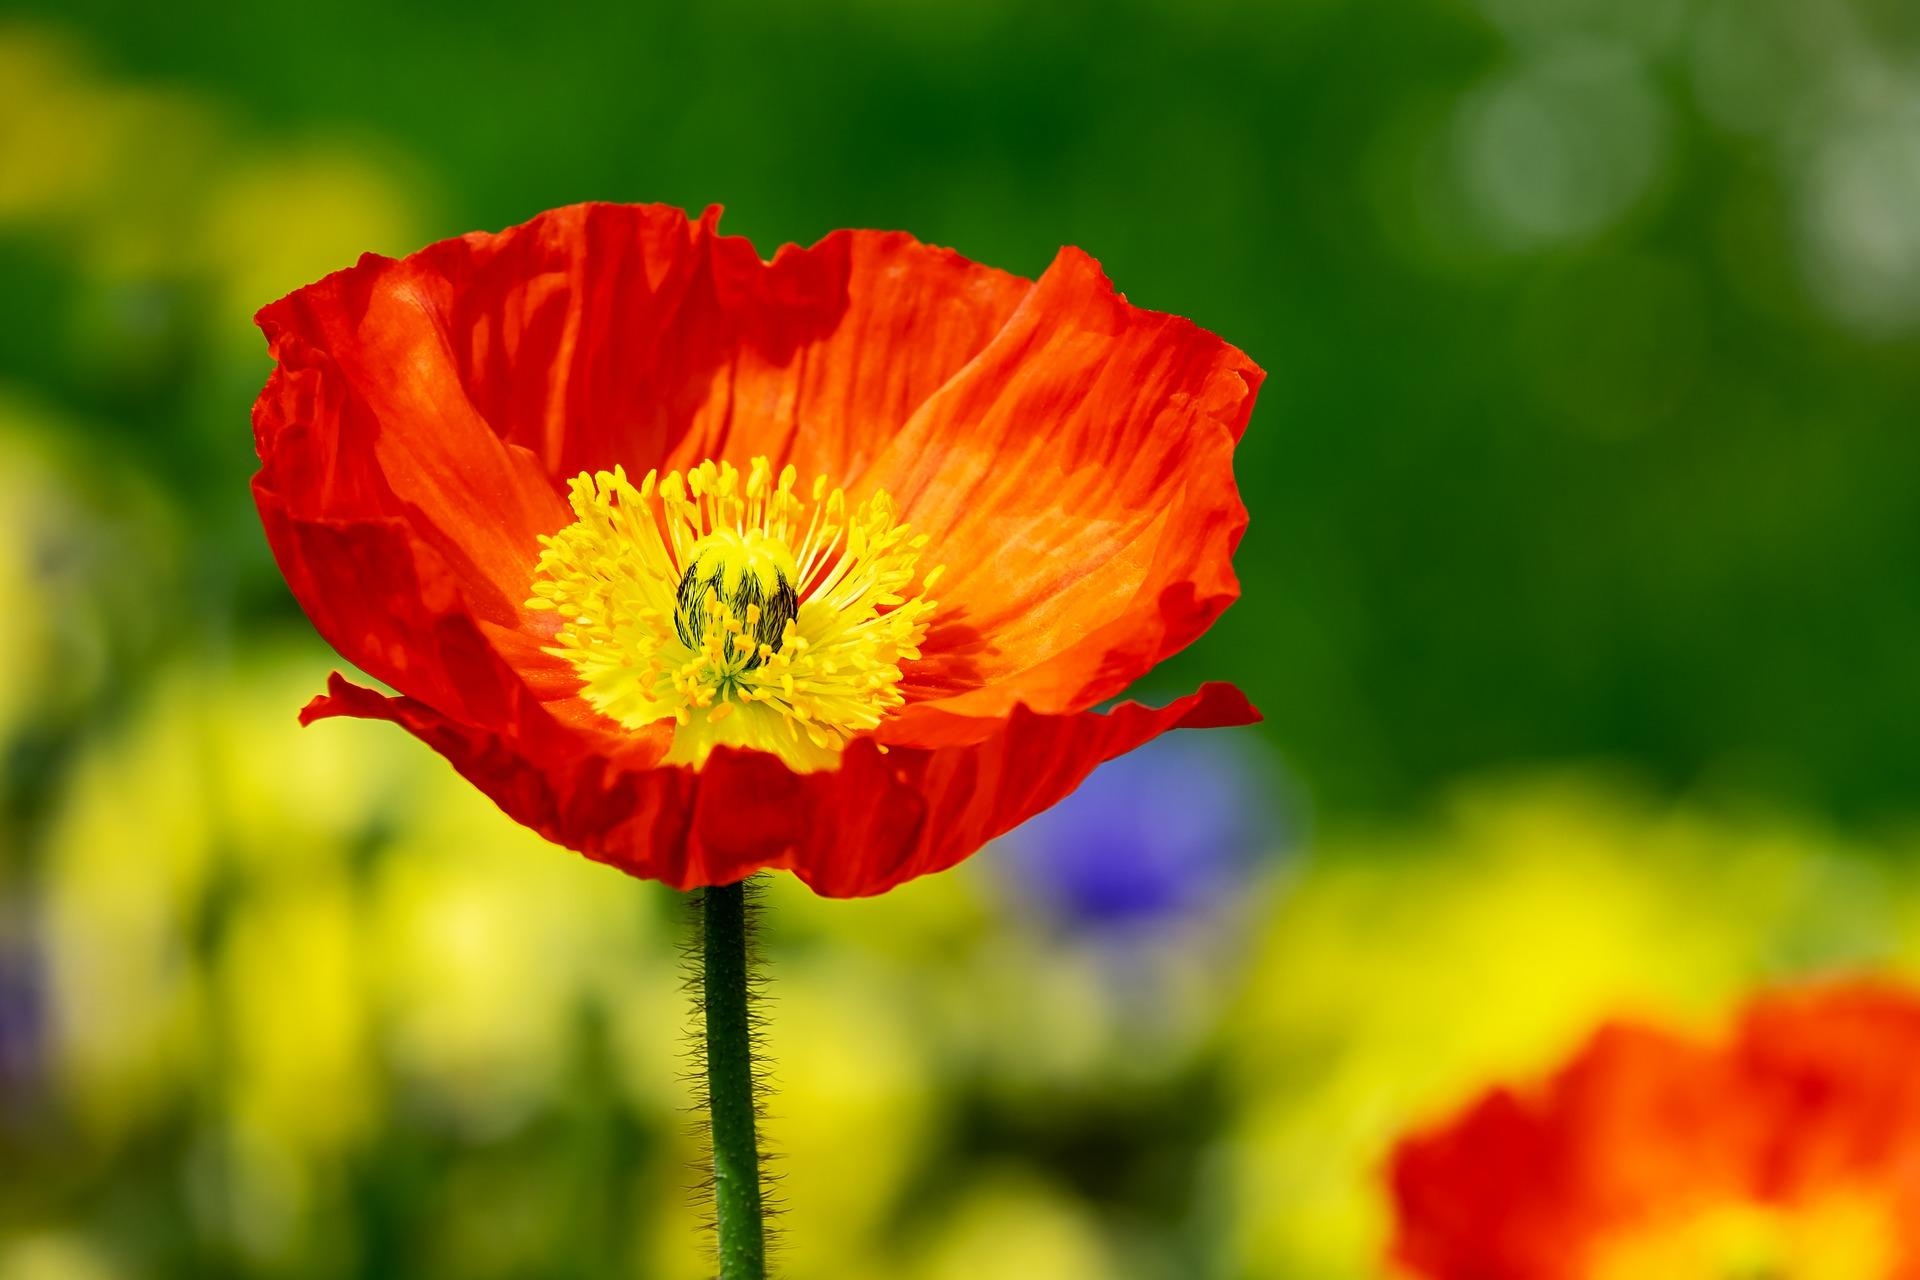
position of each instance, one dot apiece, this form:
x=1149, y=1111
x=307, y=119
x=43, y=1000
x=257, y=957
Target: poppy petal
x=1644, y=1131
x=936, y=807
x=604, y=334
x=403, y=525
x=365, y=419
x=844, y=341
x=1076, y=481
x=878, y=820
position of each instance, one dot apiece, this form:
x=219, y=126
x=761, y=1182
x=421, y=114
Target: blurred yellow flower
x=128, y=858
x=112, y=170
x=55, y=1257
x=84, y=564
x=262, y=921
x=51, y=162
x=1405, y=973
x=302, y=1063
x=851, y=1110
x=1011, y=1226
x=176, y=835
x=24, y=647
x=142, y=181
x=279, y=219
x=486, y=942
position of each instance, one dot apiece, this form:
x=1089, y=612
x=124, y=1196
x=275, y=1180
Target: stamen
x=692, y=593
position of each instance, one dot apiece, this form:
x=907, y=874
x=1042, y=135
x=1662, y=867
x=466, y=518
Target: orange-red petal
x=1076, y=478
x=1815, y=1094
x=880, y=819
x=604, y=334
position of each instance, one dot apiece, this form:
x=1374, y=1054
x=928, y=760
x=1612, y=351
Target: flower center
x=729, y=604
x=1837, y=1237
x=747, y=573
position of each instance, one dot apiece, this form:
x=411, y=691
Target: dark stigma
x=690, y=615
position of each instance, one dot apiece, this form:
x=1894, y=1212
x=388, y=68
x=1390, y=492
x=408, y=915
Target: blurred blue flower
x=1161, y=835
x=22, y=1015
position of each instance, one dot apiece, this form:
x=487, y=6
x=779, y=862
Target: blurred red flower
x=1789, y=1152
x=701, y=564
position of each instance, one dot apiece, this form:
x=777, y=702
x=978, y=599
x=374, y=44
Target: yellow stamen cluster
x=728, y=603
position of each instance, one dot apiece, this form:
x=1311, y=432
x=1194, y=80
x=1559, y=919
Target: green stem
x=730, y=1084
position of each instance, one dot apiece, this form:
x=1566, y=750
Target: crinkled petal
x=878, y=820
x=1076, y=480
x=604, y=334
x=365, y=419
x=1815, y=1096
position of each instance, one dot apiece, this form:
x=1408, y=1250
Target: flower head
x=1791, y=1152
x=702, y=564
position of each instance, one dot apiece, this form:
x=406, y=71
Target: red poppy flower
x=701, y=564
x=1790, y=1152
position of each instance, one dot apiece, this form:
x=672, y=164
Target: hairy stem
x=730, y=1083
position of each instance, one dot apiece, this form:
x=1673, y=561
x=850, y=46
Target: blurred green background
x=1579, y=595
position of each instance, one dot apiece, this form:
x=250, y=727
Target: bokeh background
x=1580, y=596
